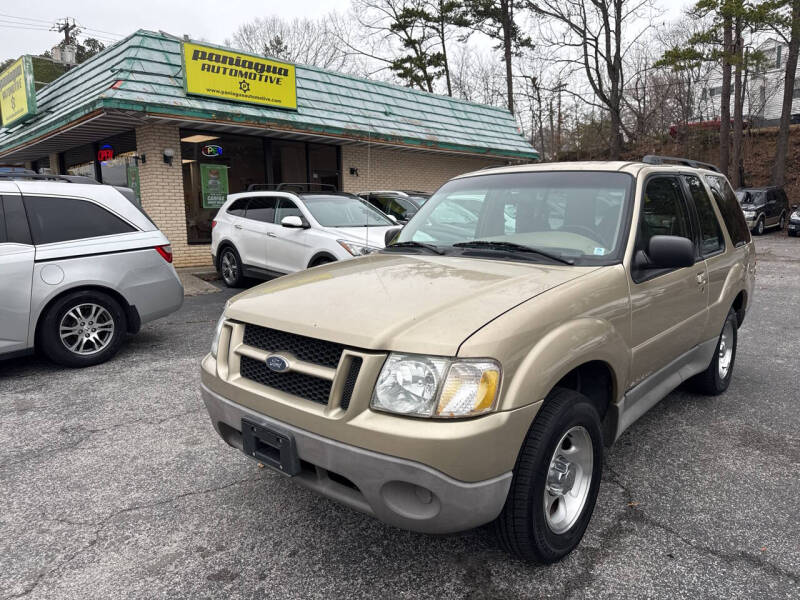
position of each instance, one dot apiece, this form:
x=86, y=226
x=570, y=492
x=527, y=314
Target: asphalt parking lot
x=113, y=484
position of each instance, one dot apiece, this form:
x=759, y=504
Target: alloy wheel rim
x=230, y=269
x=86, y=329
x=569, y=478
x=725, y=352
x=761, y=226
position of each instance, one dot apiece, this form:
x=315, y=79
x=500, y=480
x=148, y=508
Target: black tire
x=321, y=261
x=759, y=229
x=230, y=267
x=710, y=382
x=792, y=234
x=522, y=526
x=782, y=222
x=98, y=347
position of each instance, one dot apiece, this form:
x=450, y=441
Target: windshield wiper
x=512, y=247
x=429, y=247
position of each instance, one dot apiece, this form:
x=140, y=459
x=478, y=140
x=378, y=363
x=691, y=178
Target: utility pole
x=66, y=26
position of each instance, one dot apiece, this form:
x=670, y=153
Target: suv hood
x=372, y=236
x=402, y=302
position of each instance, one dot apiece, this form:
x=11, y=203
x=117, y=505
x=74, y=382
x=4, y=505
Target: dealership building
x=184, y=123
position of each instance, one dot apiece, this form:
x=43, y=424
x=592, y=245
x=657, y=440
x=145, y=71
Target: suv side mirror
x=670, y=252
x=391, y=234
x=392, y=218
x=293, y=222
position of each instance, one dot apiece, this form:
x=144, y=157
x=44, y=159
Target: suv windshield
x=344, y=211
x=749, y=197
x=576, y=216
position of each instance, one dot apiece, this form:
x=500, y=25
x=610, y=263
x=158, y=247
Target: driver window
x=286, y=208
x=663, y=212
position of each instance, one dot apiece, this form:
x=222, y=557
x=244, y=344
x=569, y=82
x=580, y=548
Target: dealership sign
x=17, y=93
x=218, y=73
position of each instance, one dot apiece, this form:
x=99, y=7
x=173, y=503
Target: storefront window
x=215, y=165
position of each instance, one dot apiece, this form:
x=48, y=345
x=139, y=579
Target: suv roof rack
x=47, y=177
x=299, y=187
x=654, y=159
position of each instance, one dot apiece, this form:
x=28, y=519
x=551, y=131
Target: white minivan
x=264, y=234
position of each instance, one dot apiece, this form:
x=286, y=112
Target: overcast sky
x=24, y=25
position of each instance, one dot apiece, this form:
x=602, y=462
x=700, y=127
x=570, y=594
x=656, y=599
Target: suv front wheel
x=556, y=480
x=82, y=329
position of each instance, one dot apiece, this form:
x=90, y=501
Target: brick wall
x=161, y=187
x=381, y=168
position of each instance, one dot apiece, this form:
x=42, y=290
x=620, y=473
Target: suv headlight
x=357, y=249
x=749, y=214
x=218, y=331
x=795, y=216
x=433, y=386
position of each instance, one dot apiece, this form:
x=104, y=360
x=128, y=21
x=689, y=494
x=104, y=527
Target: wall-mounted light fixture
x=169, y=154
x=354, y=171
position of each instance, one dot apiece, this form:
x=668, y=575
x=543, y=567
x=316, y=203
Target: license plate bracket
x=274, y=448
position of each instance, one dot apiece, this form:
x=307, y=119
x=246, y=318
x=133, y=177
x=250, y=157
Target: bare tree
x=595, y=29
x=305, y=41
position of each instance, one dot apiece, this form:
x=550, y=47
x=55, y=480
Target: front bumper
x=793, y=226
x=399, y=492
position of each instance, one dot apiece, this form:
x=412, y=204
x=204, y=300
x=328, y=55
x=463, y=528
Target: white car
x=266, y=234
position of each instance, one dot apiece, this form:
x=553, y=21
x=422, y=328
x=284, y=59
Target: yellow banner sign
x=209, y=71
x=17, y=93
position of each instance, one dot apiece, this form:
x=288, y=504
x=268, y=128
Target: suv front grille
x=319, y=352
x=298, y=384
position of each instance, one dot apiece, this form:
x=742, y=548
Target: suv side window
x=711, y=240
x=286, y=208
x=238, y=208
x=663, y=212
x=729, y=208
x=17, y=230
x=63, y=219
x=261, y=209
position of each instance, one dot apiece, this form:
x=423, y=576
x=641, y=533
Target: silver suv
x=81, y=266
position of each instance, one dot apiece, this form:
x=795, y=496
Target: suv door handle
x=270, y=234
x=237, y=226
x=701, y=278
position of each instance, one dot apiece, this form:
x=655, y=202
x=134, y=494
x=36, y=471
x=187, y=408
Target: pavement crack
x=101, y=524
x=635, y=513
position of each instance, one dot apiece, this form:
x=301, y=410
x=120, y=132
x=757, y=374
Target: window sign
x=236, y=76
x=211, y=151
x=214, y=185
x=105, y=153
x=17, y=93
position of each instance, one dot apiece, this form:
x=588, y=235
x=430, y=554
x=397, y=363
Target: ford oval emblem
x=277, y=363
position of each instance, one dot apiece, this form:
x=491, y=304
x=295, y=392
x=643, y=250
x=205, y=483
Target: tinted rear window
x=712, y=238
x=16, y=222
x=63, y=219
x=729, y=208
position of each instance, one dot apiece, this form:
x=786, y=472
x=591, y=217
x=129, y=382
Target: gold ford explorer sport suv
x=472, y=370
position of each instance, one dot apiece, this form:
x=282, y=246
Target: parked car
x=401, y=205
x=82, y=266
x=447, y=382
x=264, y=234
x=794, y=222
x=764, y=208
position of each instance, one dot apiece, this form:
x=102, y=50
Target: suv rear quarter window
x=711, y=238
x=237, y=209
x=64, y=219
x=729, y=208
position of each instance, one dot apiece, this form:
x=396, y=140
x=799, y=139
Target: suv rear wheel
x=83, y=328
x=760, y=226
x=717, y=377
x=782, y=222
x=230, y=267
x=556, y=480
